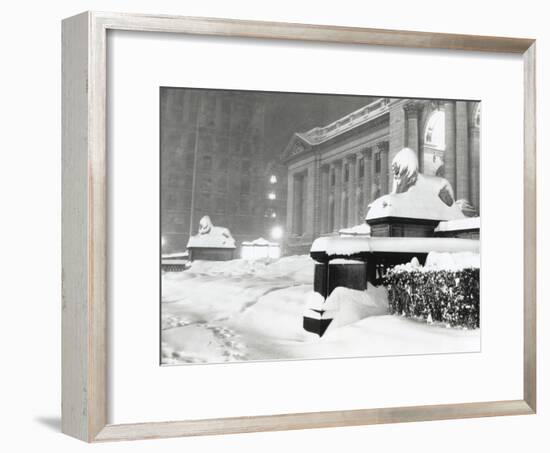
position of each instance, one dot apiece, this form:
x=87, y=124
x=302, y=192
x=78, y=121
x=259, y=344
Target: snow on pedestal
x=362, y=229
x=260, y=248
x=349, y=246
x=211, y=243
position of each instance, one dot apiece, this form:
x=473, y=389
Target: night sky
x=287, y=113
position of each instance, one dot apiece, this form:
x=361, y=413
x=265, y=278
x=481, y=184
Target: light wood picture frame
x=84, y=225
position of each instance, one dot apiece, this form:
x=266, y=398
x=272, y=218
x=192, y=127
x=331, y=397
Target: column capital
x=412, y=107
x=382, y=146
x=350, y=157
x=437, y=104
x=366, y=153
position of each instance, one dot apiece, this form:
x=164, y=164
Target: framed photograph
x=272, y=226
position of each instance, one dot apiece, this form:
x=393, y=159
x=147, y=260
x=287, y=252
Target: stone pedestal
x=402, y=227
x=211, y=253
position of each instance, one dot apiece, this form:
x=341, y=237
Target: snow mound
x=298, y=267
x=201, y=343
x=261, y=242
x=452, y=261
x=346, y=306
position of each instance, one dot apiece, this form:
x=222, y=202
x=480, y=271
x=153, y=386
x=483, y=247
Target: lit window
x=435, y=131
x=273, y=179
x=274, y=215
x=271, y=196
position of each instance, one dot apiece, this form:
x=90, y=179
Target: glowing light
x=273, y=179
x=272, y=196
x=273, y=215
x=277, y=232
x=163, y=241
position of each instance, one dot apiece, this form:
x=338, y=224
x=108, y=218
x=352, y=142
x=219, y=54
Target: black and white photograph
x=301, y=226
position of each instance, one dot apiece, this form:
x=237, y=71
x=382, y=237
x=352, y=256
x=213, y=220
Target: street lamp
x=277, y=232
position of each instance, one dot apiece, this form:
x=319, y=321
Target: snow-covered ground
x=252, y=310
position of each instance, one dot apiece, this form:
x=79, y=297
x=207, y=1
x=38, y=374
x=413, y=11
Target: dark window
x=377, y=162
x=246, y=166
x=189, y=160
x=170, y=201
x=224, y=163
x=246, y=148
x=346, y=173
x=361, y=164
x=220, y=204
x=244, y=206
x=222, y=183
x=207, y=163
x=332, y=179
x=245, y=186
x=206, y=184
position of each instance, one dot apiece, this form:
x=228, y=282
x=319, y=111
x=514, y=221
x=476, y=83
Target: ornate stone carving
x=298, y=148
x=383, y=146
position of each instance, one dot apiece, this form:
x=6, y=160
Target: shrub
x=451, y=297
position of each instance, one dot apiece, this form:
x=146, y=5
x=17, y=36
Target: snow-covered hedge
x=448, y=296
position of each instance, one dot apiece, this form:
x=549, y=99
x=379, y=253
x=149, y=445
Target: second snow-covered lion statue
x=211, y=236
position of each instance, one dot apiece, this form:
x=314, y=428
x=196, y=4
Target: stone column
x=398, y=128
x=352, y=181
x=374, y=177
x=311, y=204
x=337, y=195
x=412, y=140
x=449, y=157
x=367, y=179
x=331, y=216
x=462, y=152
x=298, y=224
x=359, y=163
x=325, y=192
x=474, y=162
x=383, y=149
x=290, y=204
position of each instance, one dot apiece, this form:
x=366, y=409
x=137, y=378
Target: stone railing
x=364, y=114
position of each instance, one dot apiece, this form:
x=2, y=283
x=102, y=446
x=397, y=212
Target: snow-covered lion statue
x=211, y=236
x=415, y=195
x=207, y=227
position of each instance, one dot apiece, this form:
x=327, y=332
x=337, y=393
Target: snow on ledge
x=469, y=223
x=261, y=242
x=362, y=229
x=349, y=245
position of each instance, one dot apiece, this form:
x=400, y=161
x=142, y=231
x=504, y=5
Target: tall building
x=335, y=171
x=212, y=163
